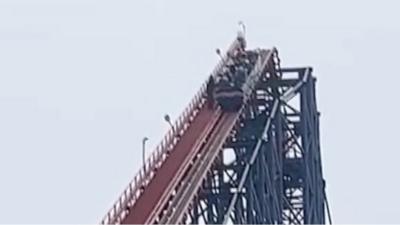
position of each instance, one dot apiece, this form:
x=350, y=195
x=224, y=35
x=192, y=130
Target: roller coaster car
x=228, y=96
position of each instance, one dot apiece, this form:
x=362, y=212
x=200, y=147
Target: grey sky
x=81, y=82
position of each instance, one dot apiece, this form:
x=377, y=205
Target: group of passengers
x=234, y=73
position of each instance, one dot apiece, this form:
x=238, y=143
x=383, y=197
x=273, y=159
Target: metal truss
x=269, y=171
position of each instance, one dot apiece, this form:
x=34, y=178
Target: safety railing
x=136, y=187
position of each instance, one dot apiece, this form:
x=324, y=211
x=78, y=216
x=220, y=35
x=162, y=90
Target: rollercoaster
x=245, y=150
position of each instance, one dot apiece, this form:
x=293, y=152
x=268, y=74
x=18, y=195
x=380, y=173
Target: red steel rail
x=124, y=208
x=194, y=177
x=170, y=173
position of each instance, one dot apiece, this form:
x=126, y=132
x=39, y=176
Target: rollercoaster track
x=167, y=177
x=124, y=205
x=171, y=171
x=194, y=178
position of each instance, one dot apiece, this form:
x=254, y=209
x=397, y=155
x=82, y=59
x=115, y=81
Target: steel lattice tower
x=270, y=169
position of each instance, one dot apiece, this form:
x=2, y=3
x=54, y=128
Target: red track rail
x=197, y=172
x=170, y=173
x=126, y=203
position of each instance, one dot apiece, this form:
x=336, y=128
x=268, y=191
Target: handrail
x=136, y=187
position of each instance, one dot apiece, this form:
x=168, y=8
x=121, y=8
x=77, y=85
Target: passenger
x=226, y=73
x=252, y=56
x=240, y=76
x=242, y=55
x=210, y=89
x=228, y=77
x=224, y=82
x=237, y=53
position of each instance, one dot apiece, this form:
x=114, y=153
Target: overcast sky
x=82, y=81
